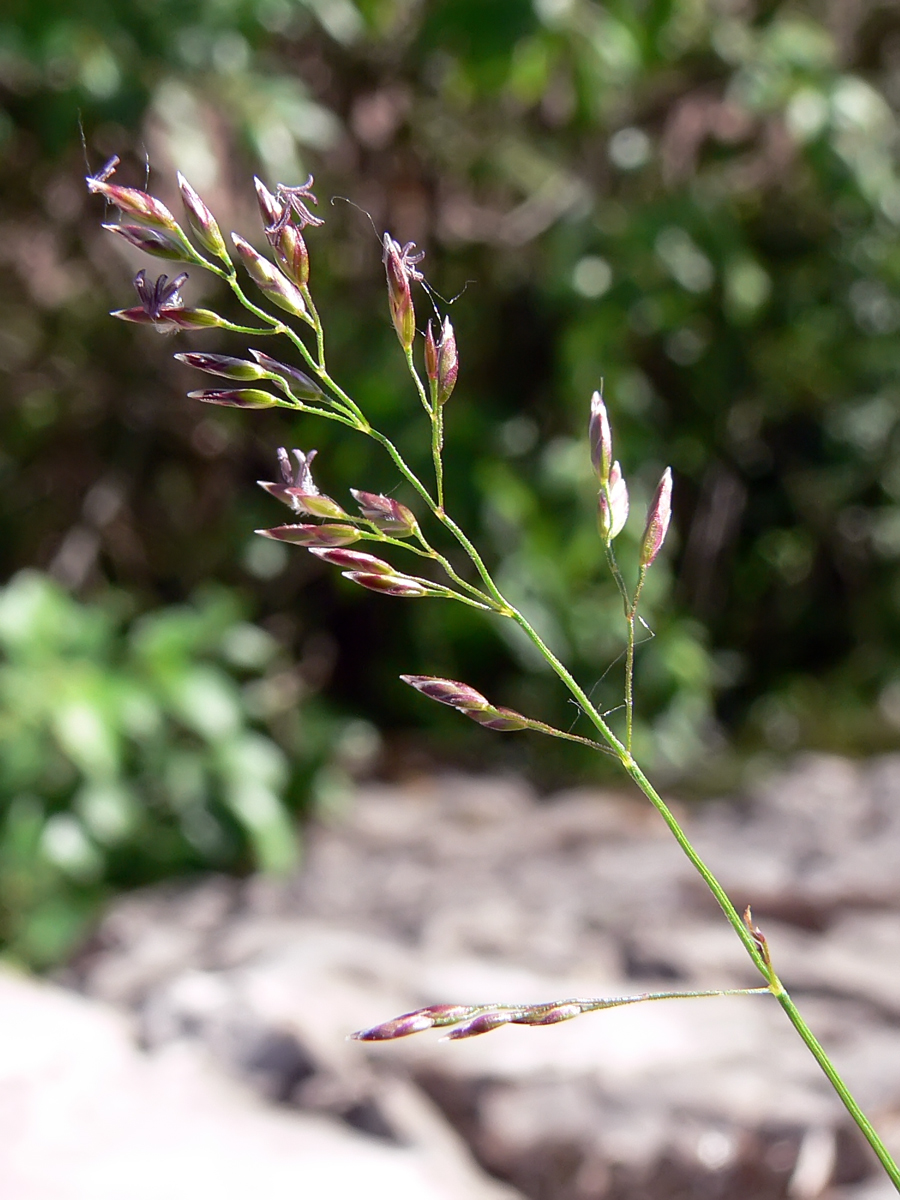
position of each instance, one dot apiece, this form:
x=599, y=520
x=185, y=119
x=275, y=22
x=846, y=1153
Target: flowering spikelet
x=224, y=365
x=165, y=293
x=201, y=220
x=162, y=306
x=600, y=436
x=135, y=203
x=235, y=397
x=415, y=1022
x=442, y=361
x=312, y=535
x=300, y=384
x=285, y=237
x=269, y=279
x=400, y=268
x=390, y=516
x=172, y=318
x=469, y=702
x=658, y=517
x=612, y=511
x=402, y=586
x=298, y=489
x=354, y=560
x=157, y=242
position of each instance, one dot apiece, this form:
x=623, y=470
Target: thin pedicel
x=395, y=527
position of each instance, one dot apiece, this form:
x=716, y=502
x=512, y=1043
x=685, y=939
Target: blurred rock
x=470, y=890
x=85, y=1116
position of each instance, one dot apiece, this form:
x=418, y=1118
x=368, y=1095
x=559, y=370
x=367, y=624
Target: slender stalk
x=630, y=615
x=346, y=411
x=818, y=1052
x=434, y=416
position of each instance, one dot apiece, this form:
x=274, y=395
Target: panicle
x=612, y=510
x=269, y=279
x=204, y=224
x=389, y=516
x=471, y=1020
x=659, y=516
x=600, y=436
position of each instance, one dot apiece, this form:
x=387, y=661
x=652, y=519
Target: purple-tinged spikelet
x=269, y=279
x=270, y=209
x=483, y=1023
x=390, y=516
x=469, y=702
x=135, y=203
x=552, y=1015
x=447, y=691
x=300, y=384
x=224, y=365
x=354, y=560
x=235, y=397
x=415, y=1022
x=400, y=268
x=448, y=363
x=298, y=488
x=659, y=516
x=204, y=224
x=172, y=318
x=612, y=512
x=600, y=436
x=402, y=586
x=157, y=242
x=312, y=535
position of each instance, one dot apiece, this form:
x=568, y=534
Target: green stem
x=830, y=1071
x=355, y=417
x=630, y=615
x=618, y=1001
x=434, y=416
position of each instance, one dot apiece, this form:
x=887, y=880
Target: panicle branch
x=473, y=1020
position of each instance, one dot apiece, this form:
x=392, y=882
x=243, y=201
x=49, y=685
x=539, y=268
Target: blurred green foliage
x=134, y=749
x=696, y=201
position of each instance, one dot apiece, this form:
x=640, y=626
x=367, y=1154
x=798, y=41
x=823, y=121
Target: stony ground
x=470, y=889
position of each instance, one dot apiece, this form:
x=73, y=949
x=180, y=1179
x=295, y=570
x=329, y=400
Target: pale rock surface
x=469, y=890
x=85, y=1115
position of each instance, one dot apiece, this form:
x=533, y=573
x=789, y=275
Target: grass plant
x=323, y=526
